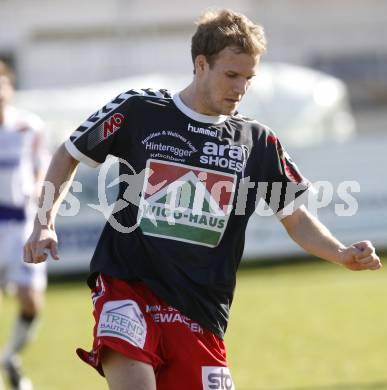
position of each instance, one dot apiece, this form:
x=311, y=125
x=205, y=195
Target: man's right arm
x=43, y=238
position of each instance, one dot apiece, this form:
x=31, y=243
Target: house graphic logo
x=123, y=319
x=192, y=204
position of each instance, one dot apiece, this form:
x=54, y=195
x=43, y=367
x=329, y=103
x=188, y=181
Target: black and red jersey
x=188, y=185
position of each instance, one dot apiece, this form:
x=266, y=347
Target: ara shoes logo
x=190, y=204
x=233, y=157
x=123, y=319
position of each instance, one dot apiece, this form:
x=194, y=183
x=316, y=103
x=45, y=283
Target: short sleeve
x=287, y=189
x=94, y=140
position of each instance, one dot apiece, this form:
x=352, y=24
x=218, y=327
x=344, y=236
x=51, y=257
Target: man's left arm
x=311, y=235
x=41, y=160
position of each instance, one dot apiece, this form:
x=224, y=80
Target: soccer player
x=22, y=159
x=164, y=270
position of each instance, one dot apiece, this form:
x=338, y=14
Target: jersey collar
x=195, y=115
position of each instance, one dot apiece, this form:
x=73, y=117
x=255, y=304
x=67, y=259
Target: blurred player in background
x=22, y=161
x=162, y=291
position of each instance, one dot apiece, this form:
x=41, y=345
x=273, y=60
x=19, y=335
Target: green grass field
x=311, y=326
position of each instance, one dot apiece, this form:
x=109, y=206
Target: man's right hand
x=42, y=241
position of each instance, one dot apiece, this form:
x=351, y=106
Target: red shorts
x=132, y=320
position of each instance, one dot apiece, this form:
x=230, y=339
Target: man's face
x=6, y=91
x=224, y=84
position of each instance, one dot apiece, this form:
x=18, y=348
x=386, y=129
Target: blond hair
x=225, y=28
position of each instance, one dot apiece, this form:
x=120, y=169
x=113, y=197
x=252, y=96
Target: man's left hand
x=360, y=256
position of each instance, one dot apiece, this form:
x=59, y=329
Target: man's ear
x=200, y=64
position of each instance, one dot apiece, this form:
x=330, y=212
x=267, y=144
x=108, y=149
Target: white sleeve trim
x=296, y=203
x=72, y=149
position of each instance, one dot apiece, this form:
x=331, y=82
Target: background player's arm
x=62, y=169
x=310, y=234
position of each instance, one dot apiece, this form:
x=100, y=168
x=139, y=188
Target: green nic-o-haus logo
x=189, y=204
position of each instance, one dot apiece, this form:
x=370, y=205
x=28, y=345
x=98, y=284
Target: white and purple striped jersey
x=22, y=155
